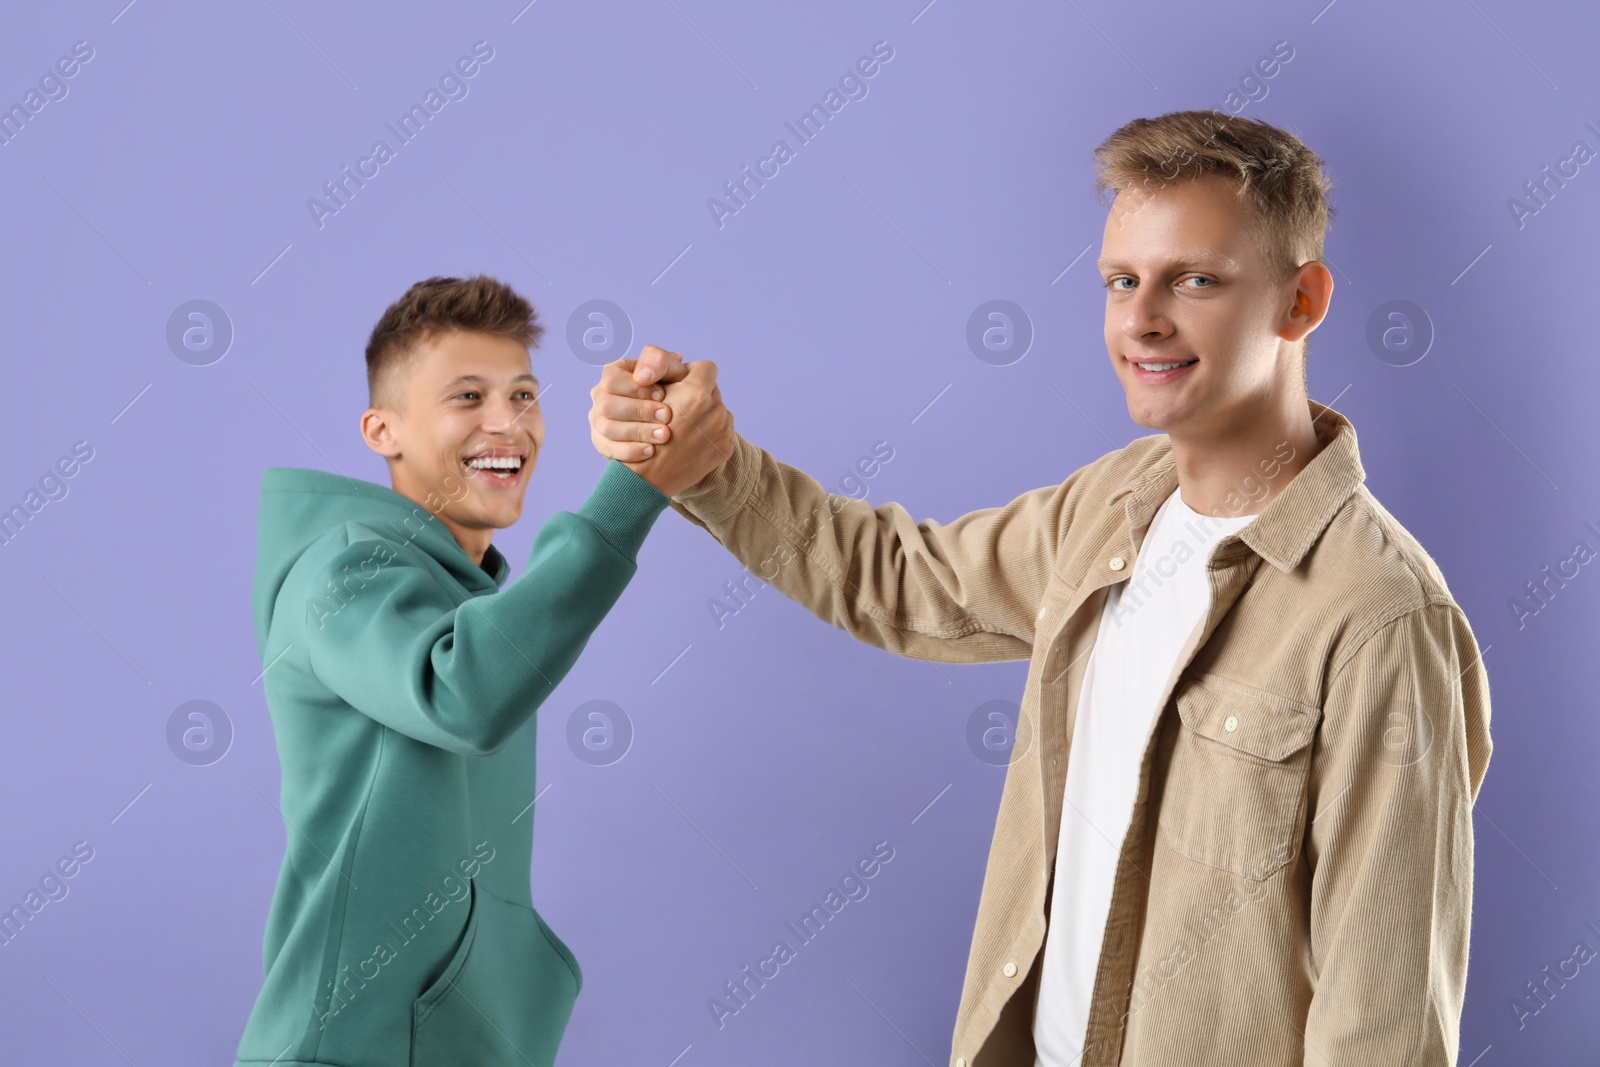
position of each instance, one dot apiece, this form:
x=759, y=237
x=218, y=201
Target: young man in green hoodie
x=401, y=678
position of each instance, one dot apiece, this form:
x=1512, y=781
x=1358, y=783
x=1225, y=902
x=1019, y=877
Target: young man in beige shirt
x=1279, y=733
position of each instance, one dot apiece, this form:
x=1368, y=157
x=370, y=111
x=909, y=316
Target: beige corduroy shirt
x=1295, y=886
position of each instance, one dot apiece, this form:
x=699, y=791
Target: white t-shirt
x=1144, y=625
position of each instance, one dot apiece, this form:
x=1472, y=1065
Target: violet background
x=578, y=167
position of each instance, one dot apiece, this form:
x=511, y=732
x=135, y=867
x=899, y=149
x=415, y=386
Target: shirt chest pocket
x=1236, y=787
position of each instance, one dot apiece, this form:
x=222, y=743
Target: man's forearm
x=873, y=572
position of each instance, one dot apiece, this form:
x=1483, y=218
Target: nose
x=1143, y=315
x=503, y=414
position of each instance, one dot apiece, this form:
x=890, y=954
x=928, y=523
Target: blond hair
x=1280, y=180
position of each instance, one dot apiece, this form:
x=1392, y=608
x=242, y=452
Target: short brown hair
x=439, y=305
x=1280, y=180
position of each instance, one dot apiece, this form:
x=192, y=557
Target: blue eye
x=1111, y=283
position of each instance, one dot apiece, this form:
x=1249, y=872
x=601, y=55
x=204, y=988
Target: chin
x=1150, y=420
x=505, y=518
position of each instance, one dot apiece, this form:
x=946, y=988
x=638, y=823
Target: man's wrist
x=726, y=488
x=704, y=485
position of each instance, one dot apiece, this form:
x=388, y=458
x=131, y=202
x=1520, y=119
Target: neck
x=473, y=541
x=1238, y=468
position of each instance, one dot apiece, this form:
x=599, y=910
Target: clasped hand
x=663, y=417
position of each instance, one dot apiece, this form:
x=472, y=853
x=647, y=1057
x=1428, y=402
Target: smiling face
x=1186, y=283
x=467, y=400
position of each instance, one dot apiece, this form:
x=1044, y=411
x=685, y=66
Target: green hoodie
x=402, y=679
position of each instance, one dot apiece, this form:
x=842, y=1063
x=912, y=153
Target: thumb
x=656, y=364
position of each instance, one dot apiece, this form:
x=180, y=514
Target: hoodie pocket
x=1236, y=786
x=504, y=998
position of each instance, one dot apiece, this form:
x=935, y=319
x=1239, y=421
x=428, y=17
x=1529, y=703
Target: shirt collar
x=494, y=565
x=1287, y=527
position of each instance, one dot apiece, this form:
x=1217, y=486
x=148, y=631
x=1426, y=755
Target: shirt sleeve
x=1390, y=846
x=465, y=676
x=964, y=592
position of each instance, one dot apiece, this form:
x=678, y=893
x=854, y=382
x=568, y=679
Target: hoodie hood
x=300, y=506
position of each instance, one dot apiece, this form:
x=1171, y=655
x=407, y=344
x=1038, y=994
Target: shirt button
x=1231, y=723
x=1009, y=970
x=1116, y=563
x=961, y=1061
x=1040, y=616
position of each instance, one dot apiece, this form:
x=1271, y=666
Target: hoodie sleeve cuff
x=623, y=507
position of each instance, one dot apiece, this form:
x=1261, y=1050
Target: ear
x=1308, y=303
x=378, y=430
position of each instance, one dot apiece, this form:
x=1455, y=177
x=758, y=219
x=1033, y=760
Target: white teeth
x=1161, y=366
x=501, y=462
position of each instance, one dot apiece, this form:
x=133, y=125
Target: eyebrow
x=478, y=379
x=1205, y=257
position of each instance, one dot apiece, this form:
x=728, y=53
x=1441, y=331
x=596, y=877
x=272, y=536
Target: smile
x=1157, y=373
x=494, y=467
